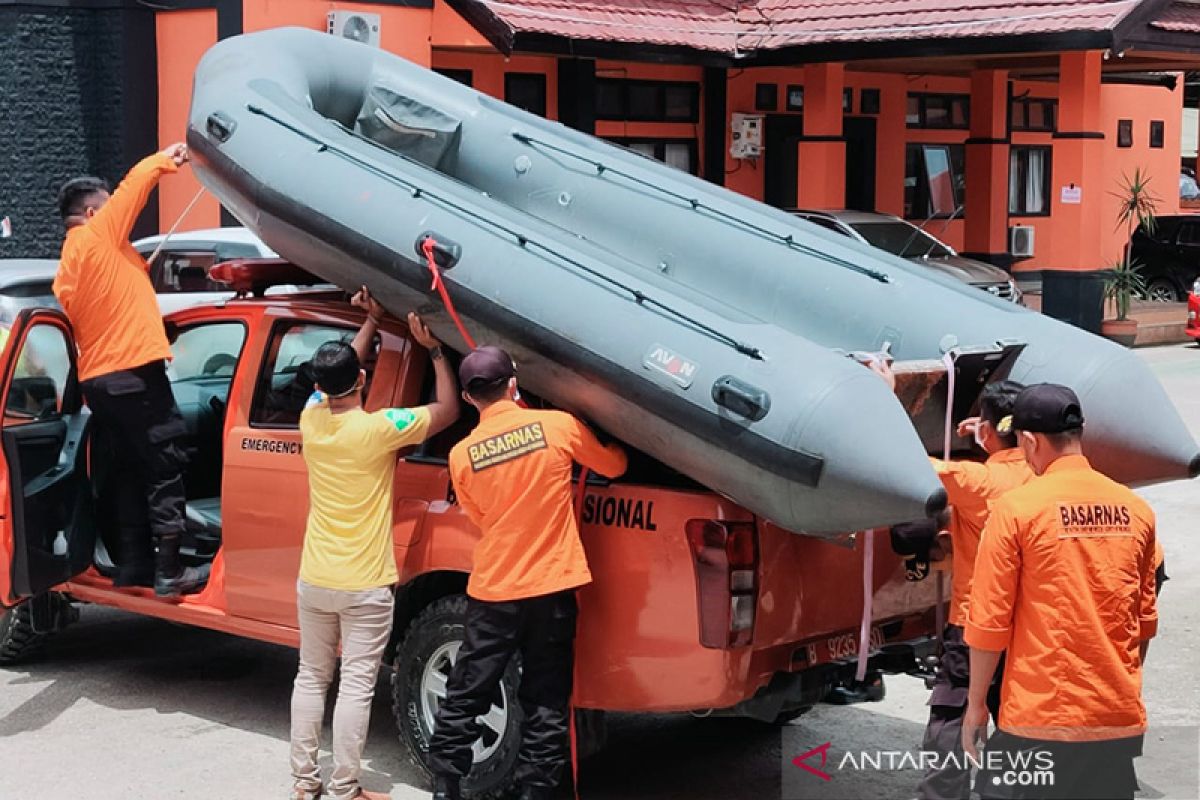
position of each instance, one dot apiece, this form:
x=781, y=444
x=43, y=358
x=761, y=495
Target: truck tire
x=21, y=639
x=423, y=661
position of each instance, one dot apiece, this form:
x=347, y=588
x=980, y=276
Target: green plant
x=1122, y=282
x=1136, y=208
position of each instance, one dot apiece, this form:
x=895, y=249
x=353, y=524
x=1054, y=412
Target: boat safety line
x=427, y=247
x=698, y=205
x=523, y=240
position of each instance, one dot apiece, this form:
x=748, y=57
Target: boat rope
x=868, y=613
x=427, y=247
x=523, y=240
x=171, y=232
x=699, y=205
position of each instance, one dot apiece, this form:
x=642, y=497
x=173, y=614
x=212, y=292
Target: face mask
x=979, y=434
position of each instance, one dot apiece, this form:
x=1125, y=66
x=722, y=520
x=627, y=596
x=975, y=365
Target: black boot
x=446, y=789
x=171, y=578
x=535, y=793
x=135, y=565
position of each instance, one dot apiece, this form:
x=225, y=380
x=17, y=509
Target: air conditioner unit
x=1020, y=241
x=355, y=25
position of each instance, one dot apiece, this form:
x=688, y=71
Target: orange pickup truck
x=697, y=606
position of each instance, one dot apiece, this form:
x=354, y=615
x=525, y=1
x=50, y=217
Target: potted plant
x=1123, y=281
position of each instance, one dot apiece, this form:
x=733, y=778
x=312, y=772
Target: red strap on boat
x=427, y=247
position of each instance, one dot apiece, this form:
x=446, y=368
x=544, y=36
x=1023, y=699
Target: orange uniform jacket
x=1065, y=581
x=104, y=285
x=971, y=487
x=512, y=476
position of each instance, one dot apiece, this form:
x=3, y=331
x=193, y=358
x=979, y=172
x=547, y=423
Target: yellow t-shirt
x=351, y=461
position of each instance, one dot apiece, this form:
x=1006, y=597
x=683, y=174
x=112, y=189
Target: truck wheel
x=421, y=669
x=20, y=638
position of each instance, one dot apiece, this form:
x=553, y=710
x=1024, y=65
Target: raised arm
x=608, y=460
x=366, y=334
x=115, y=219
x=444, y=409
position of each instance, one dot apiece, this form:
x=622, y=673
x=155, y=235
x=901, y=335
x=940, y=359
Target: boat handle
x=445, y=252
x=221, y=126
x=741, y=397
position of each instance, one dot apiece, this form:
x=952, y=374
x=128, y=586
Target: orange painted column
x=183, y=37
x=1078, y=161
x=822, y=152
x=986, y=204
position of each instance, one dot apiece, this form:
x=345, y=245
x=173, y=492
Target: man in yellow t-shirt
x=348, y=567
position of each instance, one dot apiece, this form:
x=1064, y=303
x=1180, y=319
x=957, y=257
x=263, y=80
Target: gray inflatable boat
x=704, y=328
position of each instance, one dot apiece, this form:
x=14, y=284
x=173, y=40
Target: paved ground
x=125, y=708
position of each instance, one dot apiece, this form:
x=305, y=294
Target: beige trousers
x=360, y=622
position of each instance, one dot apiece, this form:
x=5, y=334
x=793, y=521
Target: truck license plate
x=838, y=647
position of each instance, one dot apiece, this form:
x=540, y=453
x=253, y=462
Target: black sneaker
x=189, y=581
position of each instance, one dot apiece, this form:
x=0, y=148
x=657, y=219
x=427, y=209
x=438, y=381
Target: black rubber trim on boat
x=936, y=503
x=792, y=465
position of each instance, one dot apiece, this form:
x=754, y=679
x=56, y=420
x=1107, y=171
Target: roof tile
x=738, y=26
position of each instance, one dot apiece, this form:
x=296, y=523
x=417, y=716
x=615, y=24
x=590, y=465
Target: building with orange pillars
x=1010, y=123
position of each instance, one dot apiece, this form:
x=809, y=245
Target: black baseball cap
x=1047, y=408
x=484, y=366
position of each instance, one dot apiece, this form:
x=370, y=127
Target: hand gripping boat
x=697, y=325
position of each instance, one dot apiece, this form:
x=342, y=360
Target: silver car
x=906, y=240
x=180, y=271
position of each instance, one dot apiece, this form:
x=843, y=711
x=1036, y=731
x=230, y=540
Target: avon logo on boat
x=671, y=364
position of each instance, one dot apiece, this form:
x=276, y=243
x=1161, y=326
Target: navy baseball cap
x=485, y=365
x=1047, y=408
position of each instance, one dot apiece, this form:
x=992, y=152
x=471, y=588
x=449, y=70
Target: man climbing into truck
x=104, y=287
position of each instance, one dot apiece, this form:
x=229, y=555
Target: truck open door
x=47, y=530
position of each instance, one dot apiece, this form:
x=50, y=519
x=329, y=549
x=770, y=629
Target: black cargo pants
x=134, y=415
x=947, y=706
x=542, y=630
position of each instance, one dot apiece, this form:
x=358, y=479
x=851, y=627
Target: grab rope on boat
x=521, y=239
x=427, y=247
x=699, y=205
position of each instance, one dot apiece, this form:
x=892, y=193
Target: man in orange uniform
x=1065, y=580
x=971, y=487
x=104, y=286
x=512, y=475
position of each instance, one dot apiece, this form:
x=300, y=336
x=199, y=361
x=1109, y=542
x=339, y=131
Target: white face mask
x=979, y=433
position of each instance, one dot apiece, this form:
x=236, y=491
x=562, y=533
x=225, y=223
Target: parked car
x=26, y=283
x=902, y=238
x=666, y=626
x=1193, y=317
x=180, y=271
x=1169, y=258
